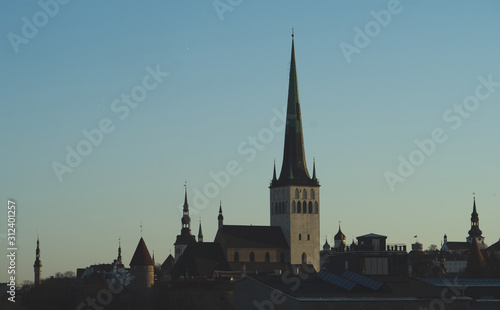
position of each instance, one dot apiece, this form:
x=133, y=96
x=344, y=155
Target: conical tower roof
x=141, y=256
x=476, y=265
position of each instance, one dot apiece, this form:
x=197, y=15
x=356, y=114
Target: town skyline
x=359, y=119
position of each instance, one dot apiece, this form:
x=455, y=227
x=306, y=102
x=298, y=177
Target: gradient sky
x=227, y=82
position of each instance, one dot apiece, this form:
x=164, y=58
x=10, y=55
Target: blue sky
x=226, y=81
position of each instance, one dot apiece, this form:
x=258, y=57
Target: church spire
x=38, y=263
x=294, y=168
x=186, y=220
x=119, y=258
x=474, y=231
x=220, y=217
x=200, y=234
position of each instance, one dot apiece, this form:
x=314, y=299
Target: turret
x=142, y=267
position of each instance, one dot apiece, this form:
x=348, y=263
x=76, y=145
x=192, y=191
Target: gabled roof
x=200, y=259
x=169, y=262
x=240, y=236
x=141, y=256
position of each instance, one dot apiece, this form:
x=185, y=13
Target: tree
x=432, y=248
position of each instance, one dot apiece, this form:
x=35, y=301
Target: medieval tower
x=294, y=196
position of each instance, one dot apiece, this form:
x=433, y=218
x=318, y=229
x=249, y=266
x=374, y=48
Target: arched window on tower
x=293, y=207
x=304, y=207
x=300, y=236
x=304, y=258
x=252, y=257
x=304, y=193
x=268, y=257
x=299, y=208
x=236, y=257
x=316, y=207
x=297, y=193
x=308, y=237
x=310, y=207
x=313, y=194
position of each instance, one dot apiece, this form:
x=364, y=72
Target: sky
x=109, y=108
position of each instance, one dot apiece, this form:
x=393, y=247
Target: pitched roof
x=169, y=262
x=141, y=256
x=200, y=259
x=241, y=236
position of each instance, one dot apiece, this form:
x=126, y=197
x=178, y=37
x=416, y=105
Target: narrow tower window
x=300, y=236
x=297, y=193
x=304, y=207
x=316, y=207
x=299, y=207
x=236, y=257
x=304, y=193
x=268, y=257
x=293, y=206
x=252, y=257
x=310, y=207
x=313, y=195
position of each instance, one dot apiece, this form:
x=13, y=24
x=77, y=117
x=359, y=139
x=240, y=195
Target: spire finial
x=141, y=228
x=293, y=35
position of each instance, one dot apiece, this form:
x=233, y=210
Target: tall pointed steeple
x=200, y=234
x=38, y=263
x=474, y=231
x=119, y=258
x=185, y=237
x=186, y=220
x=294, y=168
x=220, y=218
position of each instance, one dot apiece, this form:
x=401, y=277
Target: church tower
x=474, y=231
x=185, y=237
x=294, y=196
x=38, y=263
